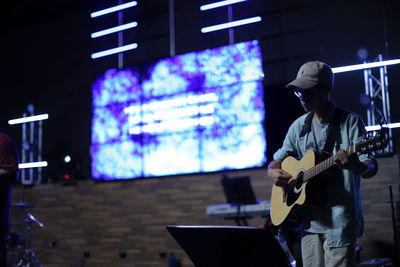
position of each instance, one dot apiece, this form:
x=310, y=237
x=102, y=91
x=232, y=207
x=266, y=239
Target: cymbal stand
x=28, y=256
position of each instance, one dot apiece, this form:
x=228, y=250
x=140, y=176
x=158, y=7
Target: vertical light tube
x=31, y=142
x=171, y=28
x=230, y=19
x=23, y=154
x=120, y=39
x=40, y=134
x=366, y=81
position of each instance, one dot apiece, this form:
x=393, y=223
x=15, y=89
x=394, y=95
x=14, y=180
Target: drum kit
x=19, y=250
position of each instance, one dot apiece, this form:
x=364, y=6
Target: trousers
x=316, y=253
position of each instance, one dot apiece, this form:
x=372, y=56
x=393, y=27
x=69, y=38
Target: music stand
x=238, y=190
x=229, y=246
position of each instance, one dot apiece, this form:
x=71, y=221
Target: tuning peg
x=371, y=146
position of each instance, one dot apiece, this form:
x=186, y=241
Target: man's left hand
x=347, y=161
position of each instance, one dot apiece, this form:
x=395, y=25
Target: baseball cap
x=311, y=74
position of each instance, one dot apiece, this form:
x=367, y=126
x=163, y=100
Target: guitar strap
x=333, y=131
x=333, y=135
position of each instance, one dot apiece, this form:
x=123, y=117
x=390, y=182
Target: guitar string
x=322, y=166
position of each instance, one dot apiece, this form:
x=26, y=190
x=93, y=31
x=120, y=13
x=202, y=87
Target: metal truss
x=378, y=111
x=31, y=151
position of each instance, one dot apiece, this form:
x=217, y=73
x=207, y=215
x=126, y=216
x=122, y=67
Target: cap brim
x=302, y=84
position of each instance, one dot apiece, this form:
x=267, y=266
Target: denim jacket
x=341, y=211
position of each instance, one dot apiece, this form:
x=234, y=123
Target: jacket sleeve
x=289, y=144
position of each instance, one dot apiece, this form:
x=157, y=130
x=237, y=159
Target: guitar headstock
x=373, y=143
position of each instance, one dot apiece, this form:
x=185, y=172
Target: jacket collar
x=327, y=118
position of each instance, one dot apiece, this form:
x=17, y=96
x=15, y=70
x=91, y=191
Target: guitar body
x=283, y=200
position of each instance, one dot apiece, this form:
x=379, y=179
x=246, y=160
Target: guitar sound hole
x=299, y=181
x=294, y=189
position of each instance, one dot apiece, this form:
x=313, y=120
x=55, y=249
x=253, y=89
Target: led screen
x=192, y=113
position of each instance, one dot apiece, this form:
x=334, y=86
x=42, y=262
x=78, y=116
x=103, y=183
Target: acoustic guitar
x=284, y=199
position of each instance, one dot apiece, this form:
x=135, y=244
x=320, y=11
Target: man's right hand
x=278, y=176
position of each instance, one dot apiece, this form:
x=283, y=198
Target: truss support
x=378, y=111
x=31, y=150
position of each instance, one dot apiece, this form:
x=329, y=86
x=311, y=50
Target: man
x=333, y=223
x=8, y=176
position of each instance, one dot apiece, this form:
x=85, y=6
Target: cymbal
x=21, y=205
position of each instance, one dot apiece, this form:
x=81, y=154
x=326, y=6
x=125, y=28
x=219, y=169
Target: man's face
x=312, y=99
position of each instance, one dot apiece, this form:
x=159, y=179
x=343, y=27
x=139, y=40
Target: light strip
x=230, y=24
x=114, y=50
x=29, y=119
x=366, y=65
x=219, y=4
x=185, y=123
x=378, y=127
x=32, y=165
x=171, y=103
x=113, y=9
x=114, y=29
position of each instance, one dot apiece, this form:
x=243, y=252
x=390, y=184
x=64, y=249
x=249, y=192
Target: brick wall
x=104, y=218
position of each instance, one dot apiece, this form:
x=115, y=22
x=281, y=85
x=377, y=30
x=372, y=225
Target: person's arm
x=351, y=162
x=361, y=164
x=4, y=172
x=8, y=160
x=370, y=170
x=8, y=177
x=277, y=175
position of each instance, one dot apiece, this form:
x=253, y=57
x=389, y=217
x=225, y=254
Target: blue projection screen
x=192, y=113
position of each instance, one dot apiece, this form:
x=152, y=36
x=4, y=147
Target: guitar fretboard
x=324, y=165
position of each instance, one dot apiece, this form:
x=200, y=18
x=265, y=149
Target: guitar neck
x=324, y=165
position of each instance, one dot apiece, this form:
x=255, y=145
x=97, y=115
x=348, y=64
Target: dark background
x=46, y=48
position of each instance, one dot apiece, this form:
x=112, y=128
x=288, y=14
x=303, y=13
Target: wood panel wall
x=131, y=216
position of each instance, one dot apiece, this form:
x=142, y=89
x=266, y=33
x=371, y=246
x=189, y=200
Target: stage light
x=378, y=127
x=362, y=53
x=69, y=175
x=114, y=50
x=366, y=66
x=220, y=4
x=29, y=119
x=230, y=24
x=67, y=159
x=32, y=165
x=114, y=29
x=365, y=100
x=113, y=9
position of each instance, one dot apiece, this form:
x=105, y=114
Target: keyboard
x=261, y=208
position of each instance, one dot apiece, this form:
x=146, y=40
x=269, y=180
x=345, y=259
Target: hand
x=347, y=161
x=278, y=176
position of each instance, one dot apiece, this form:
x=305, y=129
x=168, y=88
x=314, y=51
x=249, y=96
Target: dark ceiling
x=17, y=14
